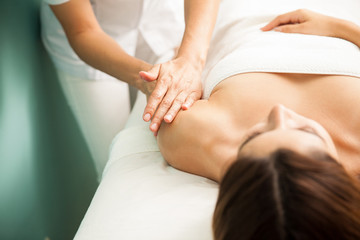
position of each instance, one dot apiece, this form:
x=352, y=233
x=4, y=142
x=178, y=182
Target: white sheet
x=141, y=197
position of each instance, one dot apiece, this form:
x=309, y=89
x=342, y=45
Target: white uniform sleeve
x=55, y=2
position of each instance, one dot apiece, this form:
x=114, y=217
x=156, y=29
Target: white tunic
x=159, y=22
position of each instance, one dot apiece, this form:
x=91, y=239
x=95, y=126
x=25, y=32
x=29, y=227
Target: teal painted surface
x=47, y=178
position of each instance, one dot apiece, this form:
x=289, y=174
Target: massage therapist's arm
x=308, y=22
x=179, y=80
x=95, y=47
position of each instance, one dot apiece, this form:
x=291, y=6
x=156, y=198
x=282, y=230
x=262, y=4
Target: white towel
x=240, y=46
x=141, y=197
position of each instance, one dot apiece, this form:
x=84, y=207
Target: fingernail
x=168, y=118
x=185, y=106
x=153, y=126
x=147, y=117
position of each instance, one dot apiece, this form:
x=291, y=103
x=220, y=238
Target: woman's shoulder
x=187, y=137
x=187, y=125
x=193, y=139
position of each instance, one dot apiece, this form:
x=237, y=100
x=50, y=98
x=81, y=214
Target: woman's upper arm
x=76, y=16
x=178, y=141
x=170, y=138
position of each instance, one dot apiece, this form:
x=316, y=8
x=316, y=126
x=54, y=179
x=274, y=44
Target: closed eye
x=311, y=131
x=303, y=129
x=252, y=136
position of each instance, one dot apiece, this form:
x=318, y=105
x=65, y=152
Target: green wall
x=47, y=178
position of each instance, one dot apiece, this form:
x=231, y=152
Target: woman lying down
x=285, y=147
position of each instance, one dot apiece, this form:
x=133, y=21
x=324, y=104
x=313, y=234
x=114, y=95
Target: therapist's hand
x=178, y=86
x=305, y=22
x=147, y=87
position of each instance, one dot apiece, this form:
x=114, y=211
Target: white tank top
x=239, y=46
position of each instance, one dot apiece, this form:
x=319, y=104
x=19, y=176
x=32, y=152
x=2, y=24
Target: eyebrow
x=258, y=134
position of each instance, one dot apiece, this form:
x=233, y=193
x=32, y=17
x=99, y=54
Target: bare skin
x=170, y=86
x=205, y=140
x=203, y=143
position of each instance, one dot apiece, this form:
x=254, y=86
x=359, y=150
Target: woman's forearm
x=200, y=18
x=102, y=52
x=348, y=31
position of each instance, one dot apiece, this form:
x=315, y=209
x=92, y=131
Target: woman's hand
x=305, y=22
x=178, y=86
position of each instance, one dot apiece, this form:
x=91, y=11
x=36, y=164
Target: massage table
x=140, y=196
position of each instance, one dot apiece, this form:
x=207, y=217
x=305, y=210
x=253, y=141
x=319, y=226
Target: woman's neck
x=222, y=145
x=313, y=96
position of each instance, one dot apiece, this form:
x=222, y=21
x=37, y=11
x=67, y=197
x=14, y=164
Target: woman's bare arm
x=188, y=143
x=309, y=22
x=348, y=31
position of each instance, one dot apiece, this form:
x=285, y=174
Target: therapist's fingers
x=175, y=108
x=152, y=74
x=164, y=106
x=193, y=97
x=154, y=100
x=147, y=76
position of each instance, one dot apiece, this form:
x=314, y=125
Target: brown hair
x=287, y=196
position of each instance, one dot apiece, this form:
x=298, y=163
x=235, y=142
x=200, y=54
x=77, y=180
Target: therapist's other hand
x=147, y=87
x=303, y=21
x=178, y=86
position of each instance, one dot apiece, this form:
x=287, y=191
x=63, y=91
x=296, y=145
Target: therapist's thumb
x=150, y=75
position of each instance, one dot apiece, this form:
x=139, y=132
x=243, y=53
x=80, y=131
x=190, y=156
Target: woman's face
x=284, y=128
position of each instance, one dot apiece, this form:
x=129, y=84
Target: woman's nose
x=279, y=117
